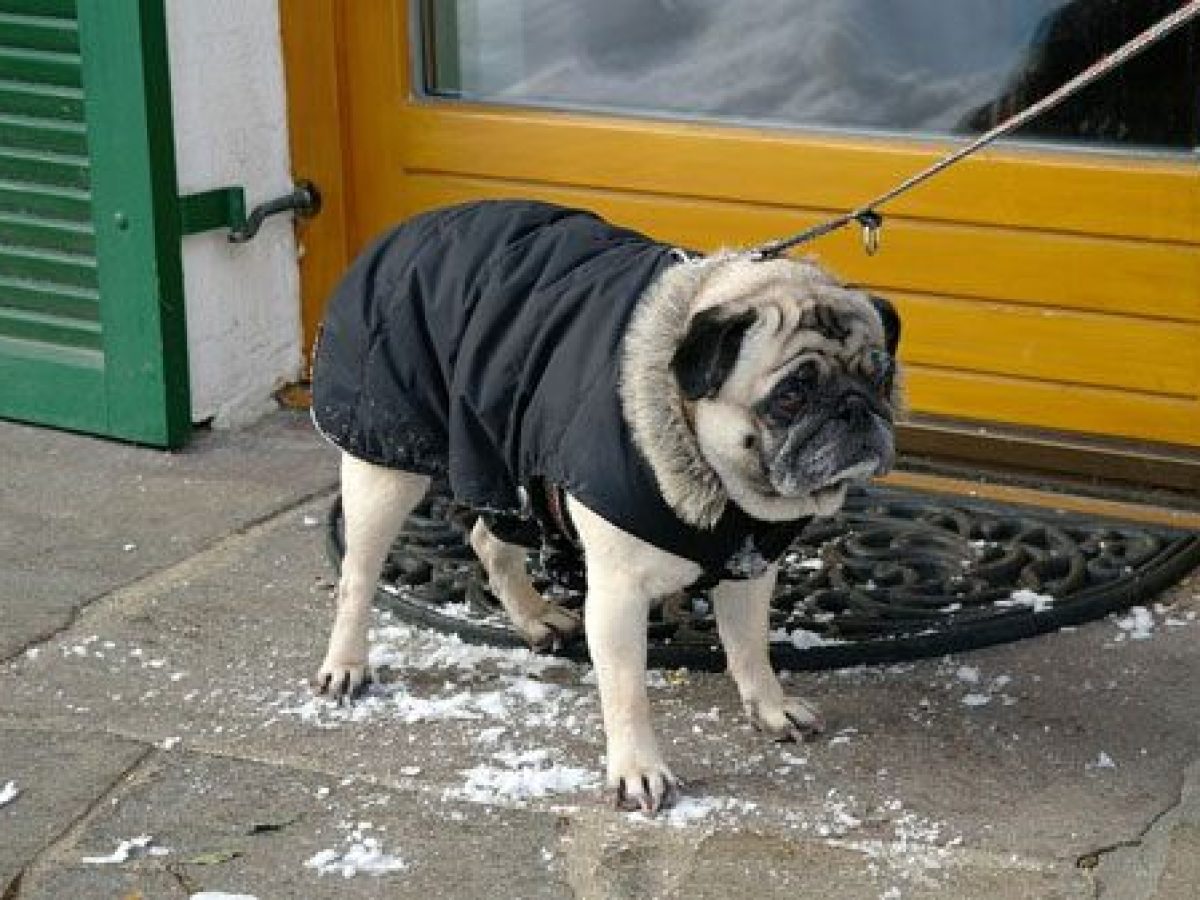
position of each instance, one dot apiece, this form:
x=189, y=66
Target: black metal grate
x=897, y=574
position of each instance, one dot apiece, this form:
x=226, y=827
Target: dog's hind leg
x=375, y=503
x=542, y=623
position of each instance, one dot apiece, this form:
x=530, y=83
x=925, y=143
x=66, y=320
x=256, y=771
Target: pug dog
x=677, y=417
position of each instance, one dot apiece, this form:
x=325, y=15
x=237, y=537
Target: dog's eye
x=882, y=368
x=787, y=404
x=791, y=394
x=806, y=375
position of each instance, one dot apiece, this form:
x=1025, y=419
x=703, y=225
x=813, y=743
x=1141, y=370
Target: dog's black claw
x=803, y=732
x=620, y=800
x=649, y=803
x=321, y=687
x=362, y=688
x=558, y=640
x=551, y=643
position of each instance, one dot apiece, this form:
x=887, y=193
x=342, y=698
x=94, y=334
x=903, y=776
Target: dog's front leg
x=743, y=620
x=624, y=576
x=615, y=619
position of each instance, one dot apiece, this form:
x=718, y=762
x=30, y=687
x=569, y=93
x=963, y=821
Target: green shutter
x=91, y=314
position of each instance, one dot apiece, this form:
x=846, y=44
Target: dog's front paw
x=642, y=781
x=786, y=719
x=340, y=680
x=552, y=627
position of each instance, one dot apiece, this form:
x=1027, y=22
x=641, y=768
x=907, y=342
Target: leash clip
x=872, y=230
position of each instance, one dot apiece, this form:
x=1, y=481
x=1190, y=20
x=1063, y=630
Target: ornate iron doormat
x=897, y=575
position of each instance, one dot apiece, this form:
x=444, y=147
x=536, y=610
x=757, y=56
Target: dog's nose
x=854, y=408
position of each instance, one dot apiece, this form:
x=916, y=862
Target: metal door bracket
x=226, y=208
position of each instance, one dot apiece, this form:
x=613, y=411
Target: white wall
x=243, y=304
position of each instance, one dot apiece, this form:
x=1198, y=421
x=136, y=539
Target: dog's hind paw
x=552, y=628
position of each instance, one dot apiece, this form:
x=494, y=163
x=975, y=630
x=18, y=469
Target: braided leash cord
x=871, y=220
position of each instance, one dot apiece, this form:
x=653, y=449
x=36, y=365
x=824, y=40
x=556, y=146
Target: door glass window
x=917, y=67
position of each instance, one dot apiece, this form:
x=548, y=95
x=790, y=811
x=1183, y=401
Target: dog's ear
x=891, y=322
x=709, y=352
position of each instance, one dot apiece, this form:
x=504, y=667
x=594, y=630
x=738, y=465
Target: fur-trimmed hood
x=651, y=399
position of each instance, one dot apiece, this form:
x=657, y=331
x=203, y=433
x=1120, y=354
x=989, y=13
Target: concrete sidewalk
x=160, y=613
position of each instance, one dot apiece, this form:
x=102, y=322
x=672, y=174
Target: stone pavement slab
x=59, y=778
x=1050, y=768
x=80, y=515
x=243, y=827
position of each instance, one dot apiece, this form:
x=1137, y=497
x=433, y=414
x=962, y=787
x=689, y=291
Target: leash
x=871, y=220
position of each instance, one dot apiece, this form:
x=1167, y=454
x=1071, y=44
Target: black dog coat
x=483, y=343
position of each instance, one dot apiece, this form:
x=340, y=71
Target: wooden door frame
x=312, y=52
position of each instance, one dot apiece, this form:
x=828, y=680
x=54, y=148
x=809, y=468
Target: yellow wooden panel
x=1085, y=193
x=1137, y=278
x=1072, y=347
x=1046, y=405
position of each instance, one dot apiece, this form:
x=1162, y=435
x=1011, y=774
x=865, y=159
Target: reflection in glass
x=925, y=67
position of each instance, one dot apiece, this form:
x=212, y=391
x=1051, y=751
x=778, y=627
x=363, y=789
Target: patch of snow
x=802, y=638
x=402, y=647
x=1103, y=761
x=968, y=674
x=8, y=793
x=689, y=810
x=976, y=699
x=142, y=845
x=1138, y=624
x=1039, y=603
x=524, y=776
x=363, y=854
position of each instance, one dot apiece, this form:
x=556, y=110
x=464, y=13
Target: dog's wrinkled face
x=793, y=387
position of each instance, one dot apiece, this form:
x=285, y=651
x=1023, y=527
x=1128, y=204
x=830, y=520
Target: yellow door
x=1056, y=290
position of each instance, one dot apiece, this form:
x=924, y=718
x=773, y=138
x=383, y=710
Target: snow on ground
x=1103, y=761
x=982, y=690
x=362, y=853
x=495, y=687
x=522, y=776
x=142, y=845
x=689, y=810
x=1039, y=603
x=1137, y=625
x=8, y=793
x=802, y=638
